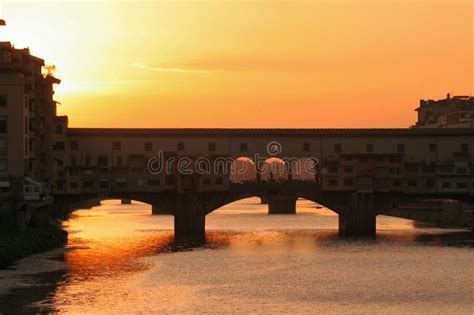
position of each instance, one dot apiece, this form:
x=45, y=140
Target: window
x=102, y=161
x=461, y=171
x=3, y=124
x=74, y=185
x=3, y=100
x=104, y=184
x=461, y=185
x=59, y=129
x=306, y=147
x=219, y=181
x=426, y=169
x=153, y=182
x=74, y=145
x=465, y=147
x=88, y=184
x=332, y=182
x=369, y=147
x=332, y=170
x=148, y=146
x=363, y=159
x=348, y=182
x=3, y=146
x=337, y=148
x=88, y=160
x=380, y=158
x=73, y=172
x=60, y=162
x=116, y=145
x=401, y=148
x=60, y=184
x=43, y=157
x=58, y=146
x=411, y=183
x=412, y=169
x=397, y=183
x=244, y=147
x=3, y=165
x=395, y=171
x=348, y=169
x=429, y=183
x=433, y=147
x=170, y=180
x=445, y=184
x=207, y=181
x=395, y=159
x=180, y=146
x=73, y=160
x=211, y=147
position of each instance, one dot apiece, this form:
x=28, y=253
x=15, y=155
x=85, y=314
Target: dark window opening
x=332, y=182
x=211, y=147
x=401, y=148
x=3, y=100
x=116, y=145
x=170, y=180
x=148, y=146
x=74, y=145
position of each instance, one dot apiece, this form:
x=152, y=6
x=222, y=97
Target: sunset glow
x=225, y=64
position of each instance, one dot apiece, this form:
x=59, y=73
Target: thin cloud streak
x=142, y=66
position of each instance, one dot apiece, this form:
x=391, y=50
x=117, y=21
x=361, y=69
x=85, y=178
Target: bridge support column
x=126, y=201
x=281, y=204
x=359, y=218
x=264, y=200
x=189, y=218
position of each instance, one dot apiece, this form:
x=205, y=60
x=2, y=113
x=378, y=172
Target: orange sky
x=312, y=64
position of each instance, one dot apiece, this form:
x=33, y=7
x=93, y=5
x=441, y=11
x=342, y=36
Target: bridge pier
x=189, y=218
x=281, y=204
x=358, y=219
x=263, y=200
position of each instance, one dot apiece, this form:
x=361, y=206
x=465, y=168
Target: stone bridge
x=357, y=211
x=359, y=173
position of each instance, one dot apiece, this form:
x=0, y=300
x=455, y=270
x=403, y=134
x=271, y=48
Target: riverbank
x=17, y=241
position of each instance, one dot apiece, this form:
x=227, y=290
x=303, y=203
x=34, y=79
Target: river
x=121, y=259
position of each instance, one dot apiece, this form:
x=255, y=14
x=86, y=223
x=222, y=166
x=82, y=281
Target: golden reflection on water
x=122, y=257
x=108, y=240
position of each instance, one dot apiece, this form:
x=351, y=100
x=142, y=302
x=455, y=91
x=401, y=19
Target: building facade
x=418, y=161
x=27, y=114
x=451, y=112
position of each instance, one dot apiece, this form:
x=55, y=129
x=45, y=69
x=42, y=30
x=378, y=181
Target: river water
x=121, y=259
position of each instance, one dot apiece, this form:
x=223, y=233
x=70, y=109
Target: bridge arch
x=274, y=169
x=243, y=169
x=70, y=203
x=217, y=201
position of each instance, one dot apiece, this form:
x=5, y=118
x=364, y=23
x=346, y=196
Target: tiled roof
x=205, y=132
